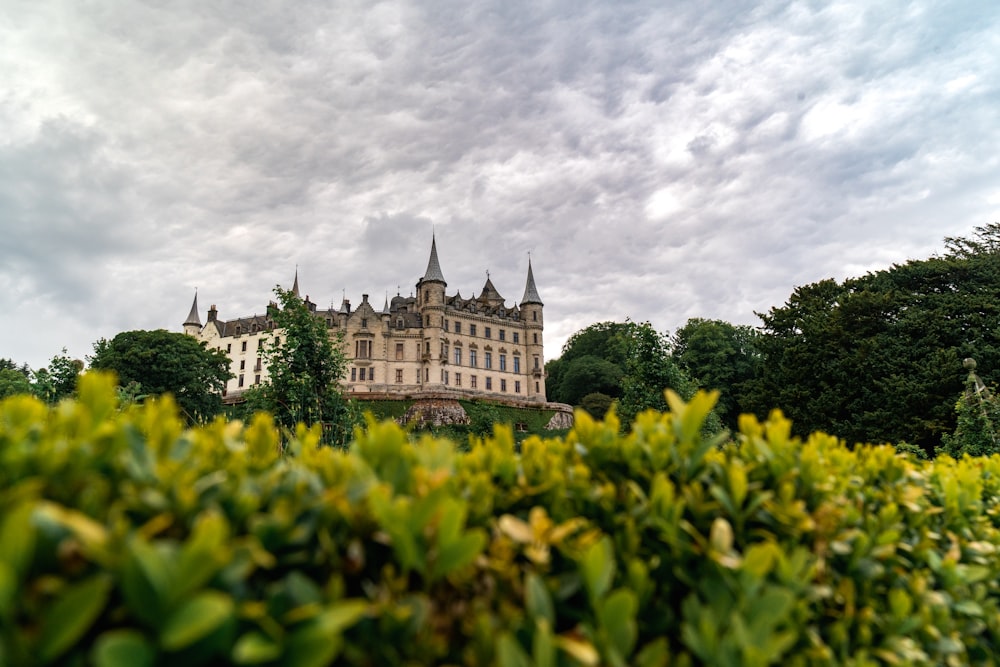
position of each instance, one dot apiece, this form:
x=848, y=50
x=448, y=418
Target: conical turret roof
x=530, y=291
x=192, y=318
x=433, y=271
x=295, y=285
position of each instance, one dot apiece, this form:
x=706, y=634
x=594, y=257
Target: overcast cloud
x=659, y=160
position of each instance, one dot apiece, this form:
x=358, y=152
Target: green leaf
x=122, y=648
x=195, y=619
x=510, y=653
x=202, y=555
x=458, y=553
x=537, y=599
x=617, y=616
x=145, y=581
x=255, y=648
x=543, y=648
x=318, y=641
x=71, y=616
x=17, y=539
x=598, y=566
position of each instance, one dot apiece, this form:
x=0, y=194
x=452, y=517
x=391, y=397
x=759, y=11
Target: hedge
x=126, y=539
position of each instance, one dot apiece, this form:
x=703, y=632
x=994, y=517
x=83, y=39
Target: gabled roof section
x=192, y=318
x=530, y=291
x=433, y=271
x=490, y=294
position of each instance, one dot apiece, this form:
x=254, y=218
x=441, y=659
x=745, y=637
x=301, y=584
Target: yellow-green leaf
x=195, y=619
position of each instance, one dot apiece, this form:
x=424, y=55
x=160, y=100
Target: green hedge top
x=127, y=540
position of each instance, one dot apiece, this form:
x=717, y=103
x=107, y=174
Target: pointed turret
x=192, y=325
x=433, y=271
x=530, y=291
x=295, y=285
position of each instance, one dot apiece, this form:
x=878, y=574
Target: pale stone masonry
x=427, y=343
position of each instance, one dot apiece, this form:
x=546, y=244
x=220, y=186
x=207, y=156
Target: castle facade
x=427, y=344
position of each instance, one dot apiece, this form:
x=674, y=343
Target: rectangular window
x=399, y=351
x=354, y=374
x=503, y=362
x=256, y=379
x=458, y=379
x=458, y=327
x=487, y=360
x=534, y=315
x=444, y=351
x=446, y=325
x=472, y=329
x=458, y=356
x=444, y=377
x=517, y=386
x=517, y=364
x=260, y=343
x=489, y=382
x=427, y=375
x=472, y=381
x=503, y=334
x=418, y=376
x=536, y=387
x=243, y=364
x=362, y=349
x=503, y=385
x=517, y=337
x=229, y=347
x=241, y=380
x=487, y=332
x=536, y=362
x=399, y=376
x=257, y=366
x=472, y=358
x=536, y=338
x=277, y=340
x=244, y=346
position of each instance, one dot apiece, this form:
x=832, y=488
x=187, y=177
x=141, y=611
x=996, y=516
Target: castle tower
x=531, y=315
x=430, y=305
x=192, y=325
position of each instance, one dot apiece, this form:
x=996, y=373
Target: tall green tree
x=722, y=356
x=305, y=366
x=13, y=382
x=162, y=362
x=592, y=361
x=878, y=358
x=58, y=380
x=649, y=370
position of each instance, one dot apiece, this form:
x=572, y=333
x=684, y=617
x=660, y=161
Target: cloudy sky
x=659, y=160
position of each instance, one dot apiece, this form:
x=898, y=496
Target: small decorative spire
x=295, y=285
x=433, y=271
x=530, y=291
x=193, y=319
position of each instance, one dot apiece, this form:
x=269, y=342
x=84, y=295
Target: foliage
x=722, y=356
x=162, y=362
x=649, y=369
x=597, y=404
x=877, y=358
x=58, y=381
x=978, y=415
x=125, y=539
x=13, y=382
x=305, y=367
x=592, y=360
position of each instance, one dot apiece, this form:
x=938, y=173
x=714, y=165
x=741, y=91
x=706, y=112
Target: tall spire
x=295, y=285
x=433, y=271
x=530, y=291
x=192, y=318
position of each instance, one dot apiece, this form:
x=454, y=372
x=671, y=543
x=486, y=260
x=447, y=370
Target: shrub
x=126, y=539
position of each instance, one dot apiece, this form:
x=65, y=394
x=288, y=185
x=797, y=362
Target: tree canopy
x=163, y=362
x=878, y=358
x=305, y=368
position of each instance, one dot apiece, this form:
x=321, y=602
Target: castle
x=416, y=346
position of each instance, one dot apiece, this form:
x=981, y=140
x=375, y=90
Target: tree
x=13, y=382
x=305, y=368
x=649, y=371
x=592, y=360
x=165, y=362
x=877, y=358
x=977, y=416
x=719, y=355
x=58, y=380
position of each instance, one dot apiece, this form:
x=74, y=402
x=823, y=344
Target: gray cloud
x=659, y=162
